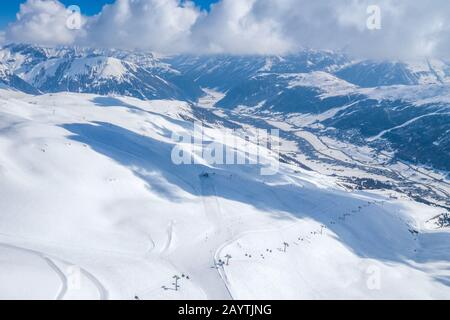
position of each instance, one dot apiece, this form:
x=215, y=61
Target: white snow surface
x=95, y=67
x=323, y=80
x=418, y=94
x=92, y=207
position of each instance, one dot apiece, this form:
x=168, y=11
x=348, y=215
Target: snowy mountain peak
x=99, y=68
x=102, y=71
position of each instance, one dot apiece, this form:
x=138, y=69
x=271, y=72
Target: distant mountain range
x=400, y=107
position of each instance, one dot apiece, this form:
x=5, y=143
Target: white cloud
x=409, y=27
x=161, y=25
x=42, y=22
x=240, y=26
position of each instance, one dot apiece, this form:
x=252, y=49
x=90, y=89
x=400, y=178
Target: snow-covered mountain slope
x=289, y=90
x=102, y=71
x=224, y=72
x=386, y=73
x=20, y=58
x=92, y=206
x=416, y=94
x=101, y=75
x=12, y=81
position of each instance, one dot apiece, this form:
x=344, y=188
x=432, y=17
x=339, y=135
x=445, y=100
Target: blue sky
x=9, y=8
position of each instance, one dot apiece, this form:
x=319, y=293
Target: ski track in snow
x=61, y=275
x=50, y=263
x=168, y=243
x=103, y=293
x=214, y=213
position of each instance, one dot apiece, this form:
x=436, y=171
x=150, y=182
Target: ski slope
x=92, y=207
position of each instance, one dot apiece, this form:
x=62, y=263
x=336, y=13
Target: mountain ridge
x=379, y=103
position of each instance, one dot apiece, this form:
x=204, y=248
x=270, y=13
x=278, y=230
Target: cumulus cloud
x=42, y=22
x=242, y=27
x=162, y=25
x=409, y=28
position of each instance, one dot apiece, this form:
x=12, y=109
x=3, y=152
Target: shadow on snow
x=377, y=235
